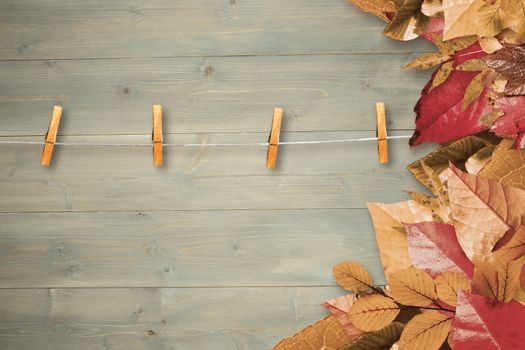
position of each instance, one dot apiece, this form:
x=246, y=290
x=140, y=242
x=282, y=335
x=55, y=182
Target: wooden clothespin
x=157, y=135
x=382, y=146
x=51, y=136
x=273, y=140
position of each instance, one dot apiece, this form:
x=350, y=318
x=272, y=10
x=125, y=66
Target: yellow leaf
x=490, y=44
x=352, y=276
x=389, y=231
x=489, y=118
x=460, y=17
x=495, y=16
x=497, y=279
x=427, y=60
x=507, y=165
x=412, y=287
x=448, y=284
x=442, y=74
x=326, y=334
x=473, y=91
x=473, y=65
x=373, y=312
x=427, y=331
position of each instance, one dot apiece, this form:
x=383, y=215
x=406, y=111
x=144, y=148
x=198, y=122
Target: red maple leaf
x=440, y=113
x=512, y=123
x=482, y=324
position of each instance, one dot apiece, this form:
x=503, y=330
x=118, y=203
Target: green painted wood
x=151, y=318
x=124, y=179
x=220, y=94
x=183, y=248
x=38, y=29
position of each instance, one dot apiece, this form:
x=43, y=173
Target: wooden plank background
x=212, y=251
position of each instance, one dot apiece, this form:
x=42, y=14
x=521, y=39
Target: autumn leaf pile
x=453, y=260
x=479, y=83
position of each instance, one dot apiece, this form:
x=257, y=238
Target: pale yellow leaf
x=389, y=231
x=490, y=44
x=427, y=331
x=448, y=284
x=482, y=211
x=352, y=276
x=432, y=8
x=373, y=312
x=327, y=334
x=412, y=287
x=460, y=17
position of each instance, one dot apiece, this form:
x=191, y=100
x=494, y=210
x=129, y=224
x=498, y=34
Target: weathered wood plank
x=181, y=249
x=38, y=29
x=122, y=179
x=216, y=94
x=193, y=319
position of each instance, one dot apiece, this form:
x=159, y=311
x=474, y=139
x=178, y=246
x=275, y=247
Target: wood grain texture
x=217, y=94
x=122, y=179
x=183, y=248
x=159, y=28
x=152, y=318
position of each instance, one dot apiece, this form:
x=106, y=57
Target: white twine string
x=85, y=144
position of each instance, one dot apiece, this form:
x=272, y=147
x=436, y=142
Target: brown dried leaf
x=482, y=211
x=477, y=161
x=507, y=165
x=379, y=340
x=352, y=276
x=510, y=62
x=390, y=234
x=442, y=74
x=497, y=279
x=426, y=331
x=406, y=21
x=373, y=312
x=412, y=287
x=375, y=7
x=448, y=284
x=427, y=60
x=326, y=334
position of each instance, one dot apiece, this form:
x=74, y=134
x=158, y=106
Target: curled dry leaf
x=390, y=234
x=407, y=19
x=506, y=165
x=497, y=279
x=373, y=312
x=482, y=211
x=379, y=340
x=412, y=287
x=352, y=276
x=375, y=7
x=490, y=44
x=326, y=334
x=478, y=160
x=433, y=247
x=339, y=308
x=482, y=324
x=426, y=331
x=449, y=284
